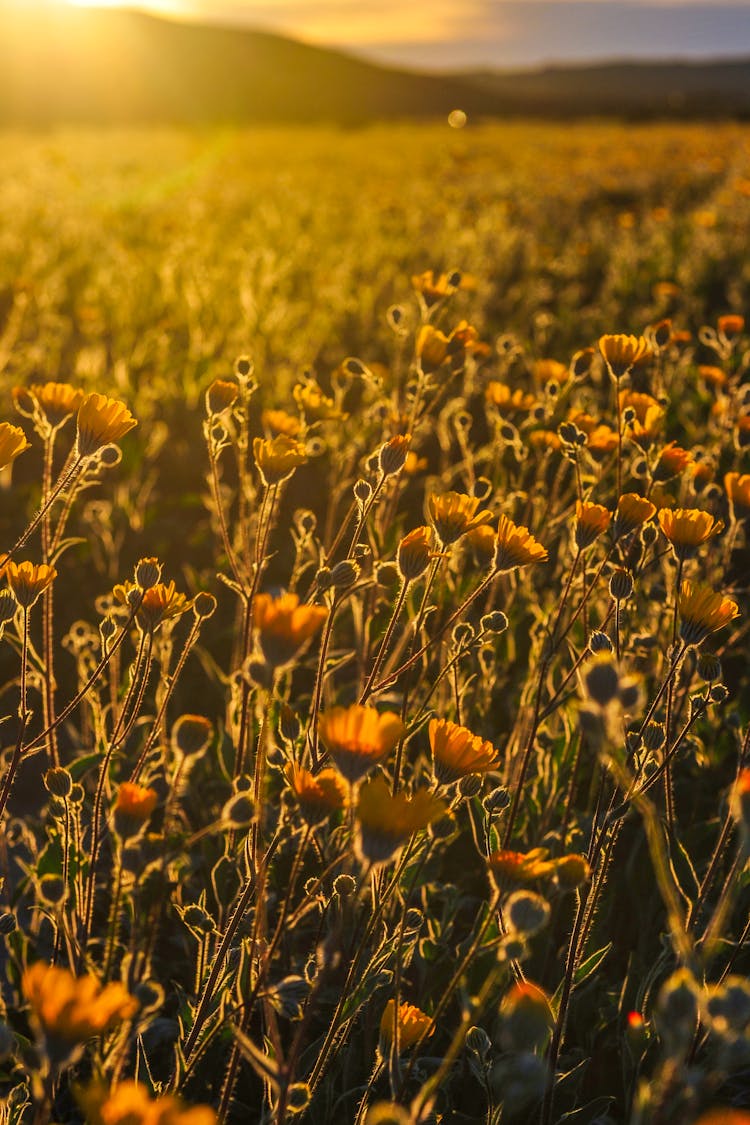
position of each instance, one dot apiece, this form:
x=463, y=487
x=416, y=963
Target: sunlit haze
x=456, y=34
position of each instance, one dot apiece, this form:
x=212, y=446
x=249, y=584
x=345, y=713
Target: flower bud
x=147, y=573
x=58, y=782
x=620, y=585
x=527, y=912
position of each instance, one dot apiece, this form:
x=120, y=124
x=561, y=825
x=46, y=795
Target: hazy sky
x=458, y=33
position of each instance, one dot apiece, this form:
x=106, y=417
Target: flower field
x=374, y=614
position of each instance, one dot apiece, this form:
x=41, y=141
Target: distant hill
x=115, y=66
x=61, y=64
x=703, y=89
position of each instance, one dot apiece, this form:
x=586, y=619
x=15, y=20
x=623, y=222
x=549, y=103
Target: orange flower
x=136, y=801
x=318, y=795
x=519, y=867
x=457, y=752
x=508, y=401
x=730, y=327
x=279, y=422
x=738, y=491
x=129, y=1103
x=434, y=288
x=454, y=514
x=414, y=553
x=703, y=611
x=623, y=352
x=158, y=603
x=101, y=420
x=647, y=416
x=687, y=528
x=316, y=406
x=591, y=521
x=515, y=546
x=69, y=1010
x=359, y=737
x=278, y=457
x=549, y=371
x=392, y=454
x=713, y=375
x=387, y=822
x=632, y=512
x=412, y=1024
x=284, y=626
x=482, y=540
x=12, y=443
x=673, y=460
x=57, y=401
x=28, y=581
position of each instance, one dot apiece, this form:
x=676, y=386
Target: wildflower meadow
x=374, y=614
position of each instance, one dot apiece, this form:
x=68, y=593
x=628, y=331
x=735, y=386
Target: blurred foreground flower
x=284, y=626
x=387, y=822
x=130, y=1104
x=68, y=1010
x=13, y=442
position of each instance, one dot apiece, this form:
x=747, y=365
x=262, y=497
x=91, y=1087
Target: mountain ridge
x=122, y=67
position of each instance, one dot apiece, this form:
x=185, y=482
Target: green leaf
x=590, y=965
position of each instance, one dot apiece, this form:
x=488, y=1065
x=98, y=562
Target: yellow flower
x=431, y=347
x=591, y=521
x=738, y=491
x=435, y=288
x=519, y=867
x=482, y=541
x=69, y=1010
x=457, y=752
x=101, y=420
x=600, y=438
x=516, y=546
x=316, y=406
x=648, y=415
x=703, y=611
x=136, y=801
x=506, y=400
x=729, y=327
x=687, y=528
x=673, y=460
x=28, y=580
x=318, y=795
x=387, y=822
x=278, y=457
x=158, y=603
x=412, y=1024
x=622, y=352
x=57, y=401
x=454, y=514
x=632, y=512
x=284, y=625
x=13, y=442
x=279, y=422
x=549, y=371
x=130, y=1104
x=414, y=553
x=359, y=737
